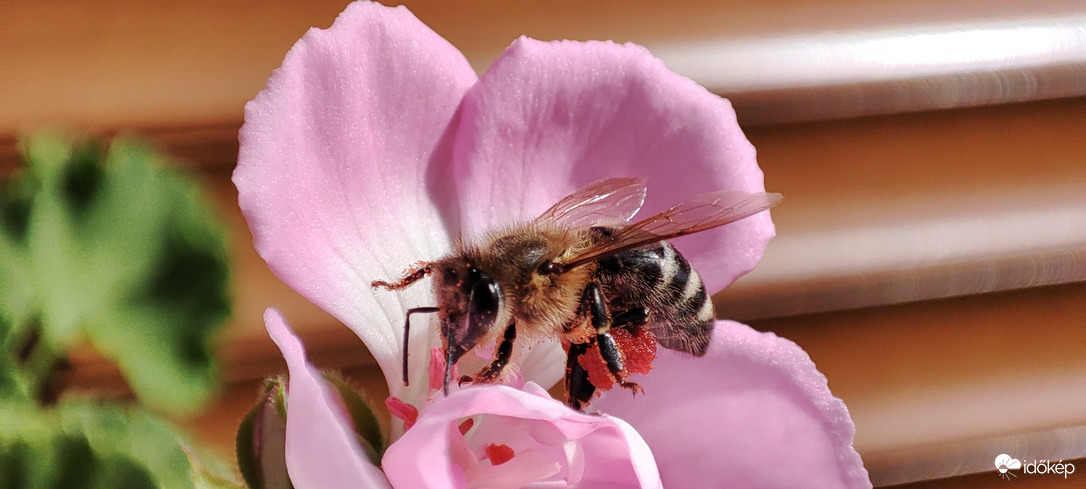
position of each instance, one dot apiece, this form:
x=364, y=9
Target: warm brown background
x=930, y=261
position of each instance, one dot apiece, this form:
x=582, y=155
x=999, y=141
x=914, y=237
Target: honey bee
x=579, y=272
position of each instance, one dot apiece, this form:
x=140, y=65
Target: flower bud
x=366, y=428
x=261, y=440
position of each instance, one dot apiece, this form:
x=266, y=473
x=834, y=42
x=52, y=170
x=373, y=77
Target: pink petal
x=754, y=412
x=321, y=450
x=594, y=451
x=338, y=172
x=550, y=117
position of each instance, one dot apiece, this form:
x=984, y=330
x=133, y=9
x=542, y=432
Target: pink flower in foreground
x=498, y=436
x=493, y=436
x=321, y=448
x=375, y=146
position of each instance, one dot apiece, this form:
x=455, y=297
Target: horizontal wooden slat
x=935, y=386
x=891, y=209
x=990, y=479
x=123, y=63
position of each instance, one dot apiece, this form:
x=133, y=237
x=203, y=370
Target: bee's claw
x=637, y=389
x=485, y=377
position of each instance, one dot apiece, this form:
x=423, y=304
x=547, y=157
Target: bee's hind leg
x=492, y=372
x=578, y=388
x=613, y=357
x=602, y=322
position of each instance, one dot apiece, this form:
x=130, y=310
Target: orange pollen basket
x=638, y=347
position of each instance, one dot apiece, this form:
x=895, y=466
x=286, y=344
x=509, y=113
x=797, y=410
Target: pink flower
x=498, y=436
x=753, y=412
x=375, y=146
x=489, y=436
x=320, y=444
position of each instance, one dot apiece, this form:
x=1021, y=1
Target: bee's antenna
x=411, y=275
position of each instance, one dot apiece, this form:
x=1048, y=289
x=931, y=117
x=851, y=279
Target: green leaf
x=18, y=302
x=76, y=463
x=121, y=250
x=207, y=480
x=15, y=458
x=14, y=384
x=116, y=434
x=83, y=445
x=209, y=472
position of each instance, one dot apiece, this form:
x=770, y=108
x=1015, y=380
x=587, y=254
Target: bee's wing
x=703, y=212
x=608, y=201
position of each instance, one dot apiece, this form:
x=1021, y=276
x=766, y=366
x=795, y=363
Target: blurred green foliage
x=111, y=246
x=85, y=445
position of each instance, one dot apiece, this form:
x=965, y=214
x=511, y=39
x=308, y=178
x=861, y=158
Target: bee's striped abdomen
x=659, y=278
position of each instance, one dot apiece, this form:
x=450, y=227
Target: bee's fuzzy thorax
x=542, y=304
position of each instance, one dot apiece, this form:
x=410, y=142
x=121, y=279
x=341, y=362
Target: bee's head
x=470, y=302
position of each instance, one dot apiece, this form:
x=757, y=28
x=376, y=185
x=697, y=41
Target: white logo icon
x=1005, y=463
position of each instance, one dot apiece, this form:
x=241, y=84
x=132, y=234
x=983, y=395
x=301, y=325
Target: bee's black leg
x=593, y=304
x=613, y=357
x=578, y=389
x=601, y=320
x=491, y=372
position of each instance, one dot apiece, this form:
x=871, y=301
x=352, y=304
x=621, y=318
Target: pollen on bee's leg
x=593, y=364
x=406, y=412
x=638, y=347
x=499, y=454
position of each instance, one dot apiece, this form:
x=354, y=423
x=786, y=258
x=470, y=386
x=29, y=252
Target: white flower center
x=501, y=452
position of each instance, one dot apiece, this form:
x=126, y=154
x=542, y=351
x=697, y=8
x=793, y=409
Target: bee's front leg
x=492, y=372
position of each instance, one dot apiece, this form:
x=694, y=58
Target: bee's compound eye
x=483, y=309
x=485, y=295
